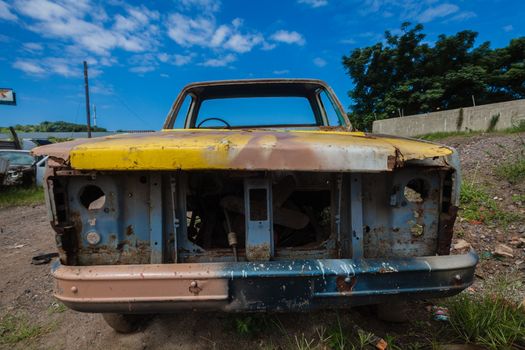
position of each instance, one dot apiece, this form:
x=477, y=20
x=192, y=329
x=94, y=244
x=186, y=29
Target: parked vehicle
x=255, y=196
x=21, y=169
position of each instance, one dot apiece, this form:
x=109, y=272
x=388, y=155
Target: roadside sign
x=7, y=97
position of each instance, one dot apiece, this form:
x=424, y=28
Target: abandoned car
x=255, y=196
x=19, y=168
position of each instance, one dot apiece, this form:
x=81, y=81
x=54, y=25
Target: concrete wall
x=463, y=119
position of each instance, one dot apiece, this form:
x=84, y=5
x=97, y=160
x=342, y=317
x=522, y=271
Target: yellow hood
x=197, y=149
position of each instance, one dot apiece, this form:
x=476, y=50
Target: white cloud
x=203, y=5
x=101, y=89
x=314, y=3
x=508, y=28
x=243, y=43
x=281, y=72
x=203, y=31
x=52, y=65
x=220, y=35
x=219, y=62
x=415, y=10
x=349, y=41
x=29, y=67
x=187, y=31
x=88, y=26
x=5, y=12
x=176, y=59
x=288, y=37
x=142, y=69
x=164, y=75
x=144, y=63
x=181, y=60
x=319, y=62
x=163, y=57
x=33, y=47
x=439, y=11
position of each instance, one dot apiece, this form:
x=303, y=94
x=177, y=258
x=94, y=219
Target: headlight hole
x=92, y=197
x=416, y=191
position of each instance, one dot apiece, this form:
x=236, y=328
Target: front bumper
x=260, y=286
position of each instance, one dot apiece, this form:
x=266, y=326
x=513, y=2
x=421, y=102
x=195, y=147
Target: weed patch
x=489, y=320
x=14, y=329
x=18, y=196
x=512, y=171
x=478, y=206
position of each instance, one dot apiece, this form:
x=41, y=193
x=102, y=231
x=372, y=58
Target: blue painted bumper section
x=276, y=285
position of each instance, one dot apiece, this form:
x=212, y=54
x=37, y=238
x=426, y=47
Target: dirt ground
x=26, y=289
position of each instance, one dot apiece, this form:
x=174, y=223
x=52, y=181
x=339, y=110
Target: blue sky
x=141, y=54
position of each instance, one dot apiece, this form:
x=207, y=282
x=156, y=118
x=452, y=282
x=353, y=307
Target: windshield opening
x=255, y=112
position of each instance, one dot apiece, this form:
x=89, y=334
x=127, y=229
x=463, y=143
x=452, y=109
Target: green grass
x=477, y=205
x=56, y=308
x=489, y=320
x=436, y=136
x=512, y=171
x=440, y=135
x=16, y=328
x=518, y=198
x=18, y=196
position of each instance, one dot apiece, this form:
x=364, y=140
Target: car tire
x=123, y=323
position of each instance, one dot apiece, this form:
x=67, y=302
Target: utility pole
x=94, y=115
x=88, y=109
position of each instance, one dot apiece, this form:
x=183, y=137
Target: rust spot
x=446, y=230
x=258, y=252
x=194, y=288
x=343, y=285
x=129, y=230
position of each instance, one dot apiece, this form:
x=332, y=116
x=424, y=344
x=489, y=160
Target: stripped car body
x=253, y=218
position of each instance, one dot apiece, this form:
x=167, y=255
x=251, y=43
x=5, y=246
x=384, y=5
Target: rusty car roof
x=253, y=87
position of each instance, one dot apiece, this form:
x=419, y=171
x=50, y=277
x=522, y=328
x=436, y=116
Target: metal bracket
x=356, y=215
x=155, y=218
x=258, y=219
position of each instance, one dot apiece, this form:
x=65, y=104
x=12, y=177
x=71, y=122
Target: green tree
x=404, y=75
x=46, y=126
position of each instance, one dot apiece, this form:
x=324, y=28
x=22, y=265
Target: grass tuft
x=477, y=205
x=512, y=171
x=489, y=320
x=14, y=329
x=20, y=196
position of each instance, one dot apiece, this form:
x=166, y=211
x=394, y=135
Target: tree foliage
x=46, y=126
x=405, y=75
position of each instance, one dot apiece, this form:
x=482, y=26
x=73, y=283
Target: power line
x=131, y=110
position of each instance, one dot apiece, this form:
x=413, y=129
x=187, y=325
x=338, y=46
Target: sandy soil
x=26, y=289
